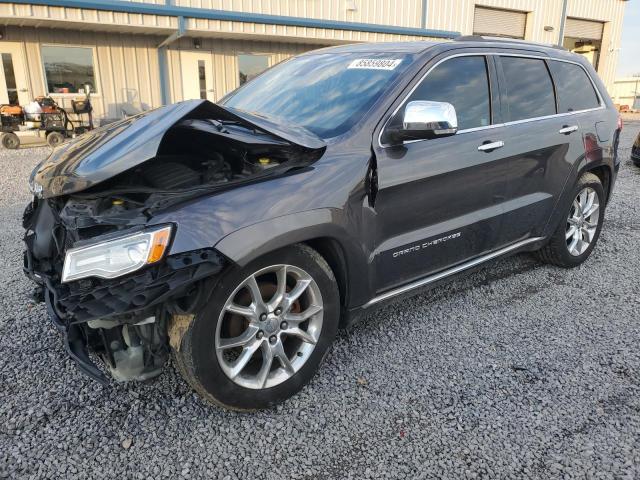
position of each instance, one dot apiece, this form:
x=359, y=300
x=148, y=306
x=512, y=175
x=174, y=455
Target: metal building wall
x=458, y=15
x=126, y=64
x=224, y=60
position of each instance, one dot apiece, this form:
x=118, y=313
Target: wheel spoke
x=593, y=209
x=278, y=351
x=254, y=290
x=243, y=359
x=297, y=318
x=589, y=233
x=570, y=232
x=281, y=288
x=574, y=243
x=239, y=341
x=267, y=361
x=302, y=335
x=294, y=294
x=582, y=199
x=247, y=312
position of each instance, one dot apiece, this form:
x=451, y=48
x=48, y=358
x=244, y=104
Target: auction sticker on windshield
x=375, y=63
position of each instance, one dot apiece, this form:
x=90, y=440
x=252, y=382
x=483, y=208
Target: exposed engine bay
x=76, y=204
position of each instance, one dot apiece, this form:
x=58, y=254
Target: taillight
x=619, y=123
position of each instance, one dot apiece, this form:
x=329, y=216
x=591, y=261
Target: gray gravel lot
x=520, y=370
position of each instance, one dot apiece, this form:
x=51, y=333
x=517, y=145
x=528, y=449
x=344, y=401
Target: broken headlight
x=116, y=257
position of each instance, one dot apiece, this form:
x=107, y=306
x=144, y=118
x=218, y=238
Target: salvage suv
x=240, y=236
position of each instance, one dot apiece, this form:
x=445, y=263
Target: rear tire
x=10, y=141
x=578, y=232
x=255, y=343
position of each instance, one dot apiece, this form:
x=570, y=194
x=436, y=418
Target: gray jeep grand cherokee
x=240, y=236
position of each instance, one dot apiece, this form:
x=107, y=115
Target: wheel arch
x=319, y=229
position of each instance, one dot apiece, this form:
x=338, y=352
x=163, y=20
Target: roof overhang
x=163, y=19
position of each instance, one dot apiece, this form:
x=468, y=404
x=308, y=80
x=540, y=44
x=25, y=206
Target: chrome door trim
x=481, y=53
x=451, y=271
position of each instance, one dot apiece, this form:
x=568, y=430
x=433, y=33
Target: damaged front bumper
x=123, y=320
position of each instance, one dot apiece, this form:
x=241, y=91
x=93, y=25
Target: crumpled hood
x=110, y=150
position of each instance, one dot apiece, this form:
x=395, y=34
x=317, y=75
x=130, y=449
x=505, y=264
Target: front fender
x=248, y=243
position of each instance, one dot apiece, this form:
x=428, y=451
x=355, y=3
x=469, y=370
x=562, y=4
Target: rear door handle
x=566, y=129
x=487, y=147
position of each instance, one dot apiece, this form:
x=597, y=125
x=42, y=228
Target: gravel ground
x=520, y=370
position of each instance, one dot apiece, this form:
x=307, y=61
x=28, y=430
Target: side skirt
x=355, y=314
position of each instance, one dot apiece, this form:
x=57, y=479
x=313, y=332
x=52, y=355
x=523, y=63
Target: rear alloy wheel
x=582, y=222
x=575, y=238
x=264, y=331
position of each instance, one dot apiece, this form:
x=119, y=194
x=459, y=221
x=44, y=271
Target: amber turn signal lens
x=159, y=244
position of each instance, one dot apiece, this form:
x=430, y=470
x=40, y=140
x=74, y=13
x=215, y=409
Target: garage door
x=584, y=29
x=499, y=23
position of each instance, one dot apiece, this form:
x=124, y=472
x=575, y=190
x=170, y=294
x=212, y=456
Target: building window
x=202, y=78
x=250, y=66
x=10, y=78
x=68, y=69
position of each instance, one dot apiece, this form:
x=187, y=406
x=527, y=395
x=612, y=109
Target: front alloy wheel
x=263, y=332
x=269, y=326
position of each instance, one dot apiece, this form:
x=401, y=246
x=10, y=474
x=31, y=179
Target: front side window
x=68, y=69
x=529, y=89
x=575, y=90
x=463, y=82
x=250, y=66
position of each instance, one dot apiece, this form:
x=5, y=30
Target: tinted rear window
x=575, y=90
x=529, y=88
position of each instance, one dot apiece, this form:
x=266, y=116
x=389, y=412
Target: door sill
x=450, y=271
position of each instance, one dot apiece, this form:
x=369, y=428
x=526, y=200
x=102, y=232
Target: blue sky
x=629, y=59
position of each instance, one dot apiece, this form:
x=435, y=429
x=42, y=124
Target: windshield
x=326, y=93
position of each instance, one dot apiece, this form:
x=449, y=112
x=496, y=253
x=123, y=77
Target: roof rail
x=486, y=38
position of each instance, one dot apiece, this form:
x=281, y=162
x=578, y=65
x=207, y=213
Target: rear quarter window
x=573, y=86
x=529, y=89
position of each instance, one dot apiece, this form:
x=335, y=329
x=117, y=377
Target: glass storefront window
x=68, y=69
x=250, y=66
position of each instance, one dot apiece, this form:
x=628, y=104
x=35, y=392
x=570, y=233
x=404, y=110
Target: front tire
x=263, y=332
x=577, y=234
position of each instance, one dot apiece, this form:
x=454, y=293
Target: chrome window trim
x=601, y=106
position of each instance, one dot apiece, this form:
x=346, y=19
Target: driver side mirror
x=425, y=119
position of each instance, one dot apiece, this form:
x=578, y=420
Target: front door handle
x=487, y=147
x=566, y=129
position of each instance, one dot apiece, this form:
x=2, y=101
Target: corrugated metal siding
x=459, y=15
x=586, y=29
x=125, y=64
x=401, y=13
x=224, y=60
x=78, y=16
x=289, y=34
x=441, y=15
x=493, y=21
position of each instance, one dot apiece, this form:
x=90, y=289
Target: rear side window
x=575, y=90
x=529, y=88
x=462, y=82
